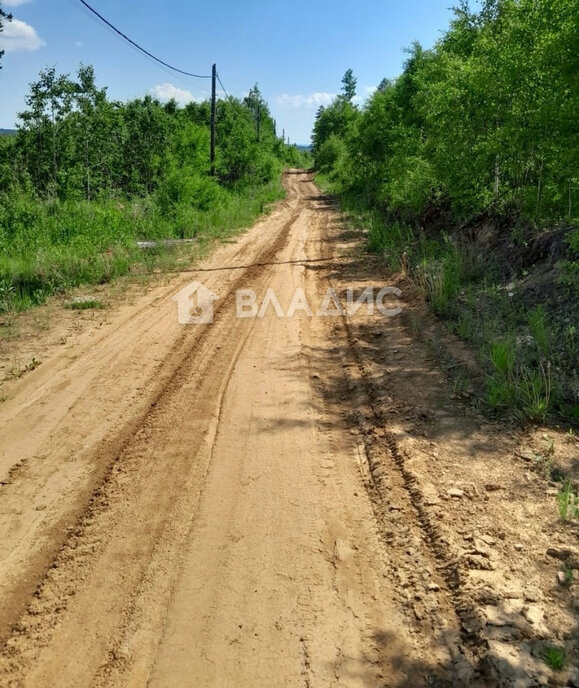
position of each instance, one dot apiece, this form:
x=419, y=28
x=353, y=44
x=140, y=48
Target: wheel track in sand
x=84, y=543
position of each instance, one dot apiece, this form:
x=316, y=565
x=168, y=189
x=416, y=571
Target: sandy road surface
x=223, y=505
x=203, y=521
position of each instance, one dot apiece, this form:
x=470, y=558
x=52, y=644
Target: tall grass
x=530, y=361
x=48, y=247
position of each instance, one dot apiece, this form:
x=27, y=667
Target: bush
x=329, y=154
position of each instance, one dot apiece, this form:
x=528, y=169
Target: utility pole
x=258, y=121
x=213, y=89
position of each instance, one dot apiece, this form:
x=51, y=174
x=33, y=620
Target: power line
x=94, y=19
x=222, y=86
x=136, y=45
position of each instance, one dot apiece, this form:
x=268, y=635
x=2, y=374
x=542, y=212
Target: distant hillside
x=7, y=132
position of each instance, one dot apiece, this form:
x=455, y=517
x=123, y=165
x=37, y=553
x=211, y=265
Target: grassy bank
x=463, y=169
x=514, y=297
x=47, y=247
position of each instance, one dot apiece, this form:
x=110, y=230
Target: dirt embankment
x=274, y=500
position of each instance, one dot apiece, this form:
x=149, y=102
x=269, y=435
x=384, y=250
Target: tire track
x=69, y=418
x=388, y=472
x=123, y=479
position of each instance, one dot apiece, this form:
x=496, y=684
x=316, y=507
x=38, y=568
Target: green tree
x=74, y=143
x=338, y=121
x=349, y=83
x=483, y=119
x=49, y=102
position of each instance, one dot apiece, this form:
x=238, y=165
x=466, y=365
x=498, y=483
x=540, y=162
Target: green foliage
x=74, y=143
x=86, y=304
x=337, y=121
x=477, y=132
x=484, y=118
x=393, y=241
x=568, y=501
x=329, y=153
x=554, y=657
x=520, y=378
x=441, y=281
x=540, y=330
x=570, y=268
x=349, y=83
x=86, y=177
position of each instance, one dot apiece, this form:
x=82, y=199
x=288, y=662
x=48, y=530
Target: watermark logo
x=195, y=303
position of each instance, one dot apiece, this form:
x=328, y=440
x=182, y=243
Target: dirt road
x=237, y=503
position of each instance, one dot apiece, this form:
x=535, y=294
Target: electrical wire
x=222, y=86
x=136, y=45
x=94, y=19
x=98, y=18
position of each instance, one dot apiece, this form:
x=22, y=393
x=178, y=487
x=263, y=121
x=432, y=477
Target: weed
x=42, y=323
x=570, y=339
x=7, y=292
x=543, y=464
x=554, y=657
x=440, y=281
x=535, y=391
x=501, y=382
x=459, y=385
x=540, y=330
x=502, y=356
x=9, y=329
x=523, y=389
x=549, y=444
x=568, y=501
x=465, y=326
x=32, y=365
x=85, y=304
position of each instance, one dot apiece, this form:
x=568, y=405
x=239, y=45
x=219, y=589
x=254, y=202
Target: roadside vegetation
x=85, y=178
x=464, y=172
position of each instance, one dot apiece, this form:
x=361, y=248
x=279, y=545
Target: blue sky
x=296, y=51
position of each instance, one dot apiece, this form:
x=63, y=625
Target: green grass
x=568, y=501
x=529, y=359
x=554, y=657
x=85, y=304
x=49, y=247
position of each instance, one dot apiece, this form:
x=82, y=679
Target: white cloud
x=15, y=3
x=78, y=44
x=361, y=99
x=165, y=92
x=18, y=35
x=311, y=102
